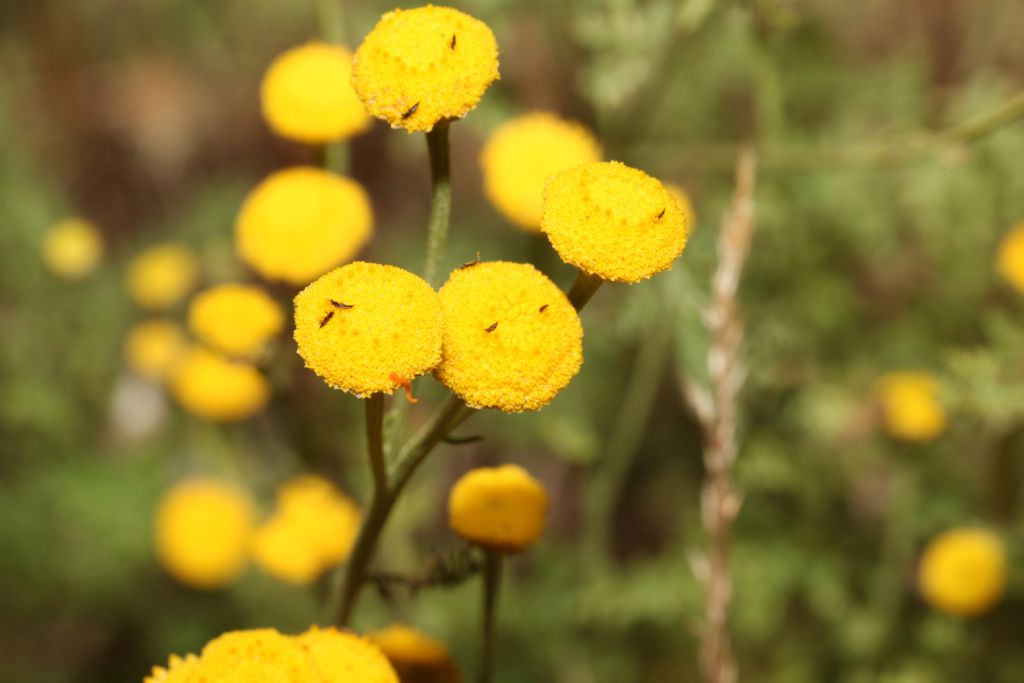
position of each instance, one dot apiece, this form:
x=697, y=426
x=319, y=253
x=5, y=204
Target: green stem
x=582, y=289
x=492, y=584
x=440, y=201
x=375, y=443
x=331, y=21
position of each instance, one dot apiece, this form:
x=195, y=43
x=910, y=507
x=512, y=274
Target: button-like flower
x=237, y=320
x=910, y=405
x=501, y=508
x=72, y=248
x=345, y=657
x=415, y=655
x=258, y=655
x=963, y=571
x=153, y=348
x=215, y=388
x=162, y=275
x=1010, y=258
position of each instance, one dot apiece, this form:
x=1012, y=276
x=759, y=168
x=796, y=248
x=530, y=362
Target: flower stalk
x=491, y=589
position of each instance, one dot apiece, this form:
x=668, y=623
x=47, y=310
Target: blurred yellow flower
x=416, y=657
x=512, y=340
x=178, y=670
x=258, y=655
x=421, y=66
x=1010, y=258
x=162, y=275
x=301, y=222
x=685, y=205
x=365, y=327
x=307, y=95
x=613, y=221
x=282, y=552
x=501, y=508
x=523, y=153
x=345, y=657
x=202, y=531
x=237, y=320
x=215, y=388
x=910, y=405
x=152, y=348
x=72, y=248
x=963, y=571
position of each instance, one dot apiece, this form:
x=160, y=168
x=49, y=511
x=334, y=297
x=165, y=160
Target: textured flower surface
x=72, y=248
x=307, y=95
x=963, y=571
x=421, y=66
x=365, y=327
x=153, y=348
x=301, y=222
x=162, y=275
x=502, y=508
x=910, y=405
x=345, y=657
x=202, y=530
x=512, y=340
x=613, y=221
x=520, y=156
x=237, y=320
x=415, y=655
x=262, y=655
x=1010, y=257
x=178, y=670
x=215, y=388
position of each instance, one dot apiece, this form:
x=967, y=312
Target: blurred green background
x=874, y=251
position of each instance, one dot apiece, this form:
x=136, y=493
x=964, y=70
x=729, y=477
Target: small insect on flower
x=327, y=318
x=542, y=308
x=338, y=304
x=405, y=384
x=470, y=264
x=660, y=214
x=453, y=41
x=492, y=328
x=410, y=111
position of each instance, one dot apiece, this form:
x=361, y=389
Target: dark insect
x=658, y=217
x=469, y=264
x=327, y=318
x=543, y=308
x=453, y=41
x=412, y=110
x=492, y=328
x=340, y=305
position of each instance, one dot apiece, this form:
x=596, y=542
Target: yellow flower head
x=162, y=275
x=685, y=204
x=366, y=328
x=963, y=571
x=345, y=657
x=237, y=320
x=179, y=670
x=72, y=248
x=613, y=221
x=1010, y=258
x=258, y=655
x=520, y=156
x=421, y=66
x=153, y=348
x=502, y=508
x=307, y=95
x=301, y=222
x=202, y=530
x=415, y=655
x=282, y=552
x=214, y=388
x=511, y=338
x=910, y=406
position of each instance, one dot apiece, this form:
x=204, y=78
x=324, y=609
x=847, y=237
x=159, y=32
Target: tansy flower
x=214, y=388
x=307, y=95
x=421, y=66
x=179, y=670
x=259, y=655
x=237, y=320
x=416, y=657
x=520, y=156
x=910, y=405
x=202, y=532
x=301, y=222
x=162, y=275
x=153, y=348
x=345, y=657
x=963, y=571
x=72, y=248
x=280, y=551
x=367, y=328
x=613, y=221
x=685, y=205
x=511, y=338
x=501, y=508
x=1010, y=259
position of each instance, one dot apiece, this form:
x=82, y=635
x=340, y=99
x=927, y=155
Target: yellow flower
x=365, y=328
x=421, y=66
x=162, y=275
x=307, y=95
x=237, y=320
x=910, y=405
x=520, y=156
x=179, y=670
x=283, y=553
x=685, y=205
x=301, y=222
x=502, y=508
x=214, y=388
x=417, y=657
x=258, y=655
x=511, y=338
x=72, y=248
x=153, y=348
x=345, y=657
x=963, y=571
x=202, y=532
x=1010, y=259
x=613, y=221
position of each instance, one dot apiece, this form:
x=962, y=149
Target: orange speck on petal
x=406, y=384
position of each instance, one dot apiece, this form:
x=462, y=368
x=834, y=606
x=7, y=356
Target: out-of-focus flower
x=1010, y=258
x=162, y=275
x=416, y=657
x=72, y=248
x=300, y=222
x=307, y=95
x=501, y=508
x=910, y=405
x=345, y=657
x=202, y=532
x=963, y=571
x=152, y=348
x=282, y=552
x=512, y=340
x=421, y=66
x=682, y=198
x=237, y=320
x=215, y=388
x=523, y=153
